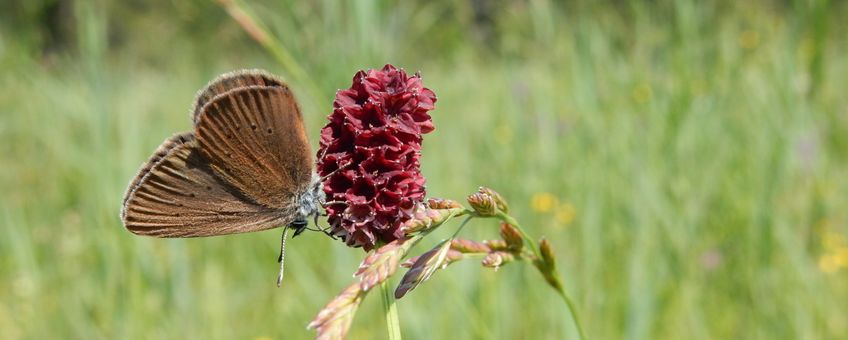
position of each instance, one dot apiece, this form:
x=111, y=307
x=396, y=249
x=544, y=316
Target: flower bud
x=441, y=203
x=499, y=200
x=512, y=237
x=496, y=245
x=424, y=218
x=333, y=321
x=382, y=263
x=453, y=256
x=547, y=264
x=469, y=247
x=423, y=268
x=484, y=204
x=497, y=259
x=547, y=252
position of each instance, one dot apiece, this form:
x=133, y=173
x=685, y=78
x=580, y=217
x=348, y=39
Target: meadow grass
x=687, y=160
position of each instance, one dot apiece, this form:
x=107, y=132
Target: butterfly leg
x=326, y=231
x=320, y=229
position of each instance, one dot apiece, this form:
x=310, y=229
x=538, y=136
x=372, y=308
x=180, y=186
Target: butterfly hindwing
x=176, y=194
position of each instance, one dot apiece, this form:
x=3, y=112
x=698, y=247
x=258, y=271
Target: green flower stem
x=390, y=308
x=557, y=282
x=467, y=219
x=389, y=305
x=571, y=308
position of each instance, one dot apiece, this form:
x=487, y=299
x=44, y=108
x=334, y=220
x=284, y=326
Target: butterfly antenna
x=282, y=258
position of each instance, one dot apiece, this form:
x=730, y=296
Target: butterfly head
x=308, y=202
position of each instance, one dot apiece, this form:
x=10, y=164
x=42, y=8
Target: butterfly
x=247, y=166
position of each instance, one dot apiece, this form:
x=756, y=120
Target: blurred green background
x=688, y=160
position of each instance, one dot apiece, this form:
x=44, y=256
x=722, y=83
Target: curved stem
x=571, y=308
x=467, y=219
x=557, y=282
x=390, y=308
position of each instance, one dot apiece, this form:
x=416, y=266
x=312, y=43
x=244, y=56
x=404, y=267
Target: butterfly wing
x=176, y=194
x=254, y=140
x=229, y=81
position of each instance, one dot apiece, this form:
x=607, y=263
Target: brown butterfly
x=247, y=166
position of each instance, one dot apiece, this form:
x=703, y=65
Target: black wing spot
x=270, y=131
x=209, y=188
x=253, y=126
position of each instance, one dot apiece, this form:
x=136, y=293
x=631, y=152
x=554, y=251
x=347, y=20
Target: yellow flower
x=840, y=256
x=543, y=202
x=828, y=264
x=565, y=213
x=833, y=240
x=503, y=134
x=749, y=39
x=642, y=93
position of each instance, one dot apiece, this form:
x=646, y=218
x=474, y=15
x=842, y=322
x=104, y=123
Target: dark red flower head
x=374, y=137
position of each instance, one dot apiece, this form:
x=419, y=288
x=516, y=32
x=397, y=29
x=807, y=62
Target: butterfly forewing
x=253, y=138
x=176, y=194
x=230, y=81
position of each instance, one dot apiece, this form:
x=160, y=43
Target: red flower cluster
x=370, y=152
